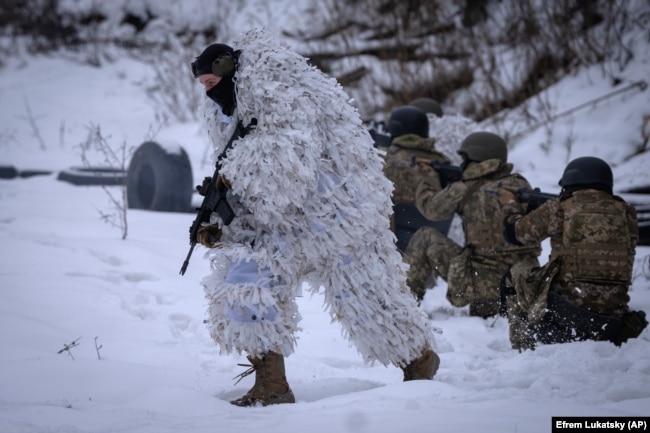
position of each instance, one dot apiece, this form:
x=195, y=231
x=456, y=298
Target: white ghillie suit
x=312, y=206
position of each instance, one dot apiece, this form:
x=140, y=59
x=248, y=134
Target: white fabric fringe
x=312, y=196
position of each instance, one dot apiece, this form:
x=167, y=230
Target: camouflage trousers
x=428, y=254
x=543, y=308
x=471, y=279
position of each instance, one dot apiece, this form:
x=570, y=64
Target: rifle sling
x=223, y=207
x=240, y=132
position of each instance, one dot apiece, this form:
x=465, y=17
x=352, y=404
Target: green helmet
x=587, y=171
x=481, y=146
x=427, y=105
x=408, y=120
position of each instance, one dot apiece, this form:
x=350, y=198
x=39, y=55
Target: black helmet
x=408, y=120
x=217, y=59
x=587, y=171
x=427, y=105
x=481, y=146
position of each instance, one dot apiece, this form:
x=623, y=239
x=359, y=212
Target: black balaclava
x=224, y=92
x=224, y=95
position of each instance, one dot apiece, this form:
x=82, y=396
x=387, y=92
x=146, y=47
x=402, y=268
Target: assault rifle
x=214, y=192
x=534, y=198
x=447, y=172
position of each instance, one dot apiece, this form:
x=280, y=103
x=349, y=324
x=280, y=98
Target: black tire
x=32, y=173
x=158, y=180
x=8, y=172
x=93, y=176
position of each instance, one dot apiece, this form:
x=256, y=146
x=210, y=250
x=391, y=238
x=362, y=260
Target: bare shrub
x=174, y=91
x=481, y=56
x=48, y=29
x=95, y=150
x=33, y=124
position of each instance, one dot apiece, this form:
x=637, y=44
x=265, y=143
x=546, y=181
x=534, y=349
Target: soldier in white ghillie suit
x=312, y=206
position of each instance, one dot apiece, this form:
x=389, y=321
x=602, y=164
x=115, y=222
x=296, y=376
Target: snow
x=143, y=360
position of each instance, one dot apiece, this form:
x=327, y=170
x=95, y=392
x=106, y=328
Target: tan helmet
x=481, y=146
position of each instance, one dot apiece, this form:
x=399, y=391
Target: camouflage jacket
x=400, y=168
x=593, y=237
x=474, y=199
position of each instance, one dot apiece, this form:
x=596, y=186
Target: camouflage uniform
x=403, y=172
x=401, y=169
x=473, y=272
x=593, y=237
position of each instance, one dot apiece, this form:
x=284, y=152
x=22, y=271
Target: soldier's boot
x=417, y=285
x=484, y=308
x=271, y=386
x=519, y=331
x=416, y=278
x=423, y=367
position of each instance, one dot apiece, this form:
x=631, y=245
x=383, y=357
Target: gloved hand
x=203, y=188
x=223, y=183
x=506, y=197
x=209, y=235
x=422, y=164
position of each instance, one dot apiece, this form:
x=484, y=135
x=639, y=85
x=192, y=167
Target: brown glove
x=209, y=236
x=203, y=188
x=422, y=164
x=506, y=197
x=223, y=183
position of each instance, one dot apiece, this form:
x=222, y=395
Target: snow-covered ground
x=143, y=360
x=145, y=363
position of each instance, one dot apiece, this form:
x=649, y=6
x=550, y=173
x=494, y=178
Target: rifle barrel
x=187, y=259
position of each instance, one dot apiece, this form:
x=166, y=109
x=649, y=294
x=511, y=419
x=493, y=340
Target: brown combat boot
x=423, y=367
x=270, y=386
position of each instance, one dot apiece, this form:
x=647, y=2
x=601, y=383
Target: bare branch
x=34, y=126
x=97, y=348
x=114, y=158
x=67, y=347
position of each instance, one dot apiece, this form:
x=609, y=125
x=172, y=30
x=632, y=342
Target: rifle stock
x=447, y=172
x=533, y=198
